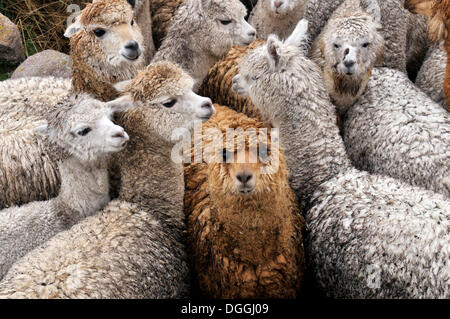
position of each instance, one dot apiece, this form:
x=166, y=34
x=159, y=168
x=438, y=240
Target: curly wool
x=367, y=235
x=431, y=76
x=218, y=83
x=257, y=253
x=396, y=130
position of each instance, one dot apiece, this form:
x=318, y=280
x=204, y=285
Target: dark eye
x=225, y=22
x=365, y=45
x=99, y=32
x=337, y=46
x=263, y=154
x=132, y=22
x=170, y=104
x=85, y=131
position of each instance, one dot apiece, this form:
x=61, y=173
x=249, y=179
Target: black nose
x=252, y=34
x=132, y=45
x=207, y=105
x=349, y=64
x=243, y=177
x=119, y=134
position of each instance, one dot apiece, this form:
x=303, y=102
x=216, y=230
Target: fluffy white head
x=283, y=6
x=83, y=128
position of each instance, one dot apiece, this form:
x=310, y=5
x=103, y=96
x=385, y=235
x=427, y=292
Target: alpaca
x=346, y=50
x=430, y=78
x=276, y=17
x=217, y=84
x=367, y=236
x=244, y=226
x=438, y=13
x=138, y=249
x=28, y=171
x=397, y=27
x=83, y=134
x=376, y=140
x=162, y=14
x=202, y=32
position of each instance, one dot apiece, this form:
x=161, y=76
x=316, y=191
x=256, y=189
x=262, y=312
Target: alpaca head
x=351, y=45
x=438, y=13
x=106, y=37
x=267, y=70
x=165, y=91
x=219, y=23
x=244, y=164
x=81, y=126
x=282, y=7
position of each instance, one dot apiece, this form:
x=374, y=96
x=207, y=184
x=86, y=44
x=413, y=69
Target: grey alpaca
x=368, y=236
x=202, y=32
x=135, y=247
x=80, y=130
x=397, y=28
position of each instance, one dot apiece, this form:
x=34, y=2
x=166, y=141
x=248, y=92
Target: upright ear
x=74, y=27
x=372, y=7
x=121, y=104
x=45, y=130
x=299, y=36
x=273, y=51
x=122, y=86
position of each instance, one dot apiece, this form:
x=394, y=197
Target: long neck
x=309, y=134
x=84, y=186
x=149, y=177
x=447, y=72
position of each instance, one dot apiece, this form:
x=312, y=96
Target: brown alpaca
x=102, y=28
x=244, y=238
x=438, y=12
x=217, y=84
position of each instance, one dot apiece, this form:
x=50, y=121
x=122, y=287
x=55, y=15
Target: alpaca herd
x=123, y=182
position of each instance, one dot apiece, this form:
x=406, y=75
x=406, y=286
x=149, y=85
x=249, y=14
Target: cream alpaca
x=138, y=250
x=82, y=132
x=202, y=32
x=367, y=235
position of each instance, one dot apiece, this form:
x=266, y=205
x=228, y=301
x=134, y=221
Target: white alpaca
x=368, y=236
x=82, y=133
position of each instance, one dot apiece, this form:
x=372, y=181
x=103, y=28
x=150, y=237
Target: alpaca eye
x=99, y=32
x=254, y=78
x=225, y=22
x=85, y=131
x=337, y=46
x=365, y=45
x=170, y=104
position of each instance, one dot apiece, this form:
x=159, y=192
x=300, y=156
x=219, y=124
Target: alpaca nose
x=131, y=50
x=207, y=105
x=252, y=34
x=349, y=63
x=278, y=4
x=132, y=45
x=244, y=177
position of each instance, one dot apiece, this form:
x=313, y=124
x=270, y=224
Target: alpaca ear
x=45, y=130
x=299, y=36
x=122, y=86
x=121, y=104
x=273, y=51
x=74, y=27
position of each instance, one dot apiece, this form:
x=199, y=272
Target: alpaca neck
x=281, y=25
x=86, y=80
x=144, y=21
x=309, y=136
x=447, y=72
x=257, y=227
x=344, y=90
x=84, y=186
x=149, y=177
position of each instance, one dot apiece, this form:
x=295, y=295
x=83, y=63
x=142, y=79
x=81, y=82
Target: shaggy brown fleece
x=217, y=85
x=162, y=13
x=243, y=246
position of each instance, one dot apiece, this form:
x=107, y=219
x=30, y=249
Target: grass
x=6, y=70
x=41, y=22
